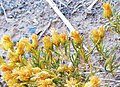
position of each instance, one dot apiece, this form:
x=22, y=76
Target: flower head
x=55, y=38
x=71, y=83
x=23, y=73
x=45, y=83
x=63, y=38
x=7, y=75
x=95, y=35
x=107, y=10
x=88, y=84
x=13, y=56
x=6, y=67
x=20, y=48
x=28, y=46
x=95, y=80
x=1, y=60
x=76, y=37
x=34, y=41
x=47, y=43
x=101, y=31
x=43, y=75
x=7, y=43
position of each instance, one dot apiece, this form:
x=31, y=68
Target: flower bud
x=34, y=41
x=55, y=38
x=95, y=35
x=76, y=37
x=107, y=10
x=101, y=31
x=7, y=43
x=47, y=43
x=63, y=38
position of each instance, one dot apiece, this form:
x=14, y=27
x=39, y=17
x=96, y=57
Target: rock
x=35, y=22
x=32, y=29
x=15, y=40
x=117, y=77
x=1, y=11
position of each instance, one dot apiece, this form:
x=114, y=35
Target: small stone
x=15, y=40
x=1, y=11
x=117, y=77
x=25, y=35
x=32, y=29
x=27, y=55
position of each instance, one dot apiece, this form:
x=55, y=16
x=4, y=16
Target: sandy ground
x=26, y=17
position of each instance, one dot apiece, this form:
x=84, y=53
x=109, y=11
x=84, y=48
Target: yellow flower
x=101, y=31
x=36, y=70
x=6, y=43
x=12, y=82
x=45, y=83
x=20, y=48
x=47, y=43
x=55, y=38
x=88, y=84
x=76, y=37
x=7, y=75
x=28, y=46
x=34, y=41
x=6, y=67
x=69, y=69
x=60, y=69
x=95, y=81
x=23, y=73
x=107, y=10
x=42, y=75
x=13, y=56
x=1, y=60
x=71, y=83
x=63, y=38
x=95, y=35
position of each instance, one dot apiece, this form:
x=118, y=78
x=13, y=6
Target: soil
x=26, y=17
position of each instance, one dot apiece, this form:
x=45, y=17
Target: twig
x=111, y=80
x=8, y=20
x=98, y=67
x=77, y=7
x=62, y=3
x=46, y=28
x=91, y=6
x=64, y=19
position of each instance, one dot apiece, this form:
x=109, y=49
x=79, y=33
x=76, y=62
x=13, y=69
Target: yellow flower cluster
x=94, y=82
x=76, y=37
x=55, y=38
x=72, y=83
x=65, y=68
x=30, y=47
x=17, y=76
x=44, y=79
x=44, y=67
x=107, y=10
x=48, y=45
x=63, y=38
x=97, y=35
x=6, y=43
